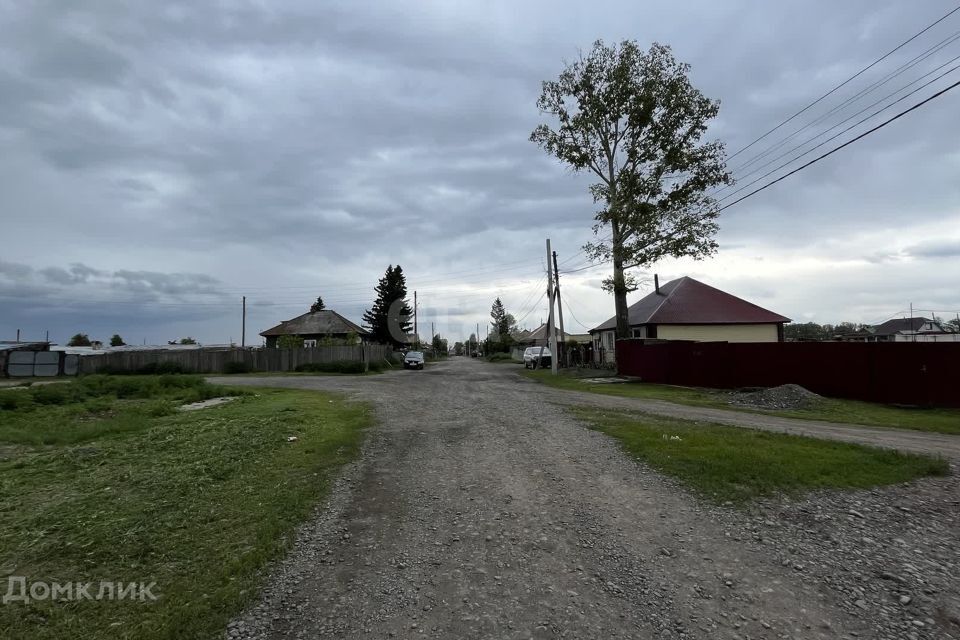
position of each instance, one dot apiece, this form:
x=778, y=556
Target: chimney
x=656, y=283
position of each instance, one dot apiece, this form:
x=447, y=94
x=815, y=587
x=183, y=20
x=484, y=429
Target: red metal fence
x=895, y=373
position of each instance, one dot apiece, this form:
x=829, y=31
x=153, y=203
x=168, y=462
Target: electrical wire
x=842, y=146
x=862, y=93
x=847, y=81
x=834, y=137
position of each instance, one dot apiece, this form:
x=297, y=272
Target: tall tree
x=389, y=318
x=502, y=323
x=79, y=340
x=318, y=305
x=116, y=341
x=633, y=119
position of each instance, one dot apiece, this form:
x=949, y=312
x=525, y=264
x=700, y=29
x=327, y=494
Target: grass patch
x=351, y=367
x=829, y=410
x=96, y=406
x=197, y=502
x=502, y=357
x=735, y=464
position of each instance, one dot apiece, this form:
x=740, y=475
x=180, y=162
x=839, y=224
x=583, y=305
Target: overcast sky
x=162, y=159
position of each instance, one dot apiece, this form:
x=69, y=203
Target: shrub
x=499, y=357
x=13, y=400
x=56, y=394
x=171, y=381
x=238, y=367
x=340, y=366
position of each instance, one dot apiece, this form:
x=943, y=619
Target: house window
x=309, y=344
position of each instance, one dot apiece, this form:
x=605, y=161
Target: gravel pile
x=787, y=396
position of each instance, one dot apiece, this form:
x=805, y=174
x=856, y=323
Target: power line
x=847, y=81
x=834, y=137
x=863, y=92
x=845, y=144
x=531, y=309
x=572, y=315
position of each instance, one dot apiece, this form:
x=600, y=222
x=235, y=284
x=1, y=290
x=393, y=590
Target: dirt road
x=478, y=510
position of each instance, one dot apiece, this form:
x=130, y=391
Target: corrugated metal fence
x=902, y=373
x=216, y=361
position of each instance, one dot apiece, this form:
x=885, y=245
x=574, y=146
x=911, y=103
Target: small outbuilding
x=316, y=327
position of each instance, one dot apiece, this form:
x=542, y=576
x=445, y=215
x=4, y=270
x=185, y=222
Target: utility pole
x=416, y=335
x=478, y=339
x=243, y=330
x=914, y=336
x=551, y=332
x=563, y=338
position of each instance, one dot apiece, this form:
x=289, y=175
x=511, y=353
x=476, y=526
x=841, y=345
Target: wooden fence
x=894, y=373
x=216, y=360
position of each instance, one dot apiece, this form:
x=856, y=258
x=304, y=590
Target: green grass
x=829, y=409
x=737, y=465
x=197, y=502
x=96, y=406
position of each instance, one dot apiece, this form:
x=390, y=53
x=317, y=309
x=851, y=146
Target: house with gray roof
x=315, y=327
x=918, y=329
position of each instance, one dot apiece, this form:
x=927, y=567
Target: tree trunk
x=619, y=284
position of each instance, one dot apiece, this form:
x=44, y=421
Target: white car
x=534, y=357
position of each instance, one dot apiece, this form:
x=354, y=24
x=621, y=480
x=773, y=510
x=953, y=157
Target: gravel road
x=481, y=509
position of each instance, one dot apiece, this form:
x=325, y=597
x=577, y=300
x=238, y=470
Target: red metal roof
x=689, y=301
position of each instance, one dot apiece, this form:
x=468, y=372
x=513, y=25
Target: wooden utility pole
x=551, y=332
x=416, y=335
x=243, y=325
x=563, y=337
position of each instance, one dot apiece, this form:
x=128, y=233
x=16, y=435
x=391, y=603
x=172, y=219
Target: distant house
x=541, y=337
x=906, y=330
x=687, y=309
x=315, y=327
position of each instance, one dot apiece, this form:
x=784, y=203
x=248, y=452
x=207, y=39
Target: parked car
x=533, y=358
x=413, y=360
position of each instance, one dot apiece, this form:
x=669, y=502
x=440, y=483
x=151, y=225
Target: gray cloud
x=195, y=153
x=936, y=249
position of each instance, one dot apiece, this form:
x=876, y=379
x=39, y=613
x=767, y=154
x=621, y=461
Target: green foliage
x=633, y=119
x=187, y=340
x=813, y=331
x=199, y=502
x=828, y=410
x=238, y=367
x=502, y=323
x=389, y=318
x=500, y=357
x=116, y=341
x=340, y=366
x=290, y=342
x=151, y=368
x=96, y=405
x=79, y=340
x=439, y=345
x=318, y=305
x=730, y=463
x=458, y=348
